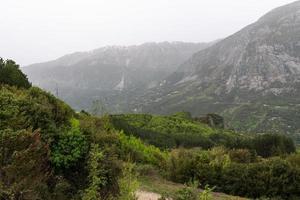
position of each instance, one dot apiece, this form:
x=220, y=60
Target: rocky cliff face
x=259, y=57
x=256, y=70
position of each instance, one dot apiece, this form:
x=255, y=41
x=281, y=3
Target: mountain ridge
x=84, y=77
x=256, y=70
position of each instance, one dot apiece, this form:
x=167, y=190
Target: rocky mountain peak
x=256, y=57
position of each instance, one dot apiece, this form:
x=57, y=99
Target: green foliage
x=103, y=162
x=97, y=174
x=276, y=115
x=294, y=159
x=128, y=183
x=273, y=145
x=274, y=177
x=265, y=145
x=195, y=164
x=141, y=153
x=69, y=148
x=10, y=74
x=171, y=131
x=206, y=194
x=33, y=108
x=271, y=178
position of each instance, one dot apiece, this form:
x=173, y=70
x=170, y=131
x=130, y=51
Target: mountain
x=110, y=75
x=252, y=77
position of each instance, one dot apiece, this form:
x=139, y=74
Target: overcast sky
x=39, y=30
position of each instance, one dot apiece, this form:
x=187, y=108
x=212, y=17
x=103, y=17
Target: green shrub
x=206, y=194
x=273, y=177
x=128, y=183
x=97, y=174
x=69, y=148
x=268, y=145
x=33, y=109
x=141, y=153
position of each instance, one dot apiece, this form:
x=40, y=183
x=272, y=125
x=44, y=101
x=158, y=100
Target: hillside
x=256, y=69
x=178, y=130
x=48, y=151
x=110, y=75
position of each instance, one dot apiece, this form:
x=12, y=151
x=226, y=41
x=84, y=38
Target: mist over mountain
x=251, y=77
x=110, y=74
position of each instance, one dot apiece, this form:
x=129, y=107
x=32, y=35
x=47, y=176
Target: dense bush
x=267, y=145
x=33, y=108
x=134, y=149
x=24, y=166
x=69, y=147
x=103, y=170
x=274, y=177
x=60, y=165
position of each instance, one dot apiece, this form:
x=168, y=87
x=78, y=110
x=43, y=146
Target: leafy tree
x=10, y=74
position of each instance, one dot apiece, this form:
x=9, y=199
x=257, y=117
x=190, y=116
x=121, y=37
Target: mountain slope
x=255, y=68
x=110, y=73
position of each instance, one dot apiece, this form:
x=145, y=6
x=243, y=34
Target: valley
x=215, y=120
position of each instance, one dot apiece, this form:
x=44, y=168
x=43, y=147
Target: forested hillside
x=49, y=151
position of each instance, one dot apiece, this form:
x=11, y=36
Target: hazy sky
x=39, y=30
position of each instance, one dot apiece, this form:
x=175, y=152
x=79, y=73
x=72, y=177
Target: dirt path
x=143, y=195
